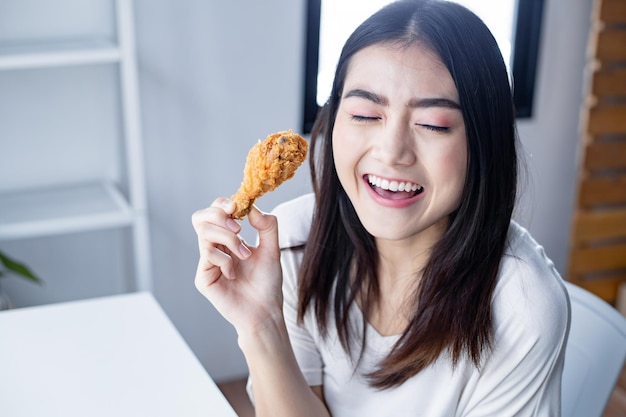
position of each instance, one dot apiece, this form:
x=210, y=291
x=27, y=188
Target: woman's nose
x=394, y=146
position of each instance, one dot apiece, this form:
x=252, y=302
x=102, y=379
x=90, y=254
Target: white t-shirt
x=520, y=377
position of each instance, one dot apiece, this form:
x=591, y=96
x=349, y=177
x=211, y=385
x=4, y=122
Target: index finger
x=219, y=213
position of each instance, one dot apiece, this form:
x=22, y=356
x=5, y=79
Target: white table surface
x=113, y=356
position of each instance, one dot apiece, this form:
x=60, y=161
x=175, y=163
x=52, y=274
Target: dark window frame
x=524, y=63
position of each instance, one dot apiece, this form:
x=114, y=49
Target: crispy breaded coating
x=269, y=164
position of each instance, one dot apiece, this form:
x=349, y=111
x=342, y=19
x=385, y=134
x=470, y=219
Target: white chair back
x=595, y=354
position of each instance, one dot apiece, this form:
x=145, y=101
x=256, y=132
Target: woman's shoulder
x=294, y=220
x=531, y=318
x=526, y=260
x=530, y=292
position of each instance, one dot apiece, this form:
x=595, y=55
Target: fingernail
x=245, y=252
x=232, y=225
x=227, y=204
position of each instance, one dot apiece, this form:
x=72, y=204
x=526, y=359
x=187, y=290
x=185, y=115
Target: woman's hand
x=242, y=282
x=245, y=285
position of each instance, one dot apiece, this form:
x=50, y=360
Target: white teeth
x=392, y=185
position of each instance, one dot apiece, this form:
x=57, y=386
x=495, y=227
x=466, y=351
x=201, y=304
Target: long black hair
x=452, y=306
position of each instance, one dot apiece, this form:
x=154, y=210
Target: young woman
x=401, y=287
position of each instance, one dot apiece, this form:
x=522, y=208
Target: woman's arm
x=278, y=385
x=244, y=285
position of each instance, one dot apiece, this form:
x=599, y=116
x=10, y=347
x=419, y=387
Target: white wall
x=551, y=138
x=216, y=76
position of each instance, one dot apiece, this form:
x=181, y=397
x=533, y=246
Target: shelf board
x=59, y=53
x=62, y=209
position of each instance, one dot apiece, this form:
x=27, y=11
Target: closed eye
x=359, y=118
x=434, y=128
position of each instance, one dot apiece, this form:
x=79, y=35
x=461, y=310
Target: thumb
x=266, y=225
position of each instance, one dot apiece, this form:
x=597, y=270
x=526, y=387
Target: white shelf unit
x=84, y=204
x=58, y=53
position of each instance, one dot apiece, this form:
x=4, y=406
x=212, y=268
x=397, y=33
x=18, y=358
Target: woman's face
x=399, y=141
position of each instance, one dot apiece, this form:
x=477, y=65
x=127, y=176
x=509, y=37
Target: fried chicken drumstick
x=269, y=164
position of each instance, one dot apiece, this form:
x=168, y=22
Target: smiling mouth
x=394, y=190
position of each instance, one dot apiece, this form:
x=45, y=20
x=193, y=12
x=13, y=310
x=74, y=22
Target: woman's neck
x=400, y=270
x=405, y=258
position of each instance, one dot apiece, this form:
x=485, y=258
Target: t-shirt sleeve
x=522, y=374
x=301, y=335
x=294, y=223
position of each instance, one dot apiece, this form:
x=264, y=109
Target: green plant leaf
x=18, y=268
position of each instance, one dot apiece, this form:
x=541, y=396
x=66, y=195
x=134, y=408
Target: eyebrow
x=413, y=103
